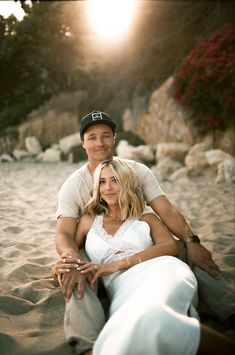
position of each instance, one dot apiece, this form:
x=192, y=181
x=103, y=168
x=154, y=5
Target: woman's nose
x=108, y=185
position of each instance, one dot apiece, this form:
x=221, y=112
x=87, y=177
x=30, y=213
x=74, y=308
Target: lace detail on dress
x=119, y=250
x=98, y=226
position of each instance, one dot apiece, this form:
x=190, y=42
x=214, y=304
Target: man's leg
x=84, y=318
x=215, y=294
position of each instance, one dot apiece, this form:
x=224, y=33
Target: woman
x=153, y=302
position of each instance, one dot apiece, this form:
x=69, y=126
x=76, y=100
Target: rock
x=167, y=166
x=6, y=158
x=142, y=153
x=226, y=171
x=196, y=163
x=195, y=160
x=176, y=151
x=166, y=120
x=33, y=145
x=50, y=155
x=19, y=154
x=180, y=174
x=69, y=142
x=216, y=156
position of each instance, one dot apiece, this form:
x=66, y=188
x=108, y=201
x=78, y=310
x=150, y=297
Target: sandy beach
x=31, y=305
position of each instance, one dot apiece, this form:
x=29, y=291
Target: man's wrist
x=70, y=254
x=192, y=239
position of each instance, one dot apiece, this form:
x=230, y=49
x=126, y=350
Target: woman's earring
x=101, y=199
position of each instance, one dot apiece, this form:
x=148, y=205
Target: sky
x=9, y=7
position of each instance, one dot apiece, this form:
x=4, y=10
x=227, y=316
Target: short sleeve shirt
x=76, y=190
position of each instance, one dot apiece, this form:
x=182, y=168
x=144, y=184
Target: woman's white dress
x=152, y=308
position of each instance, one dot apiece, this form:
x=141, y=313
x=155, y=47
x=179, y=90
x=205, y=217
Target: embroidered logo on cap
x=96, y=116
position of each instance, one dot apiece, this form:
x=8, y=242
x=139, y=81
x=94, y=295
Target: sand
x=31, y=305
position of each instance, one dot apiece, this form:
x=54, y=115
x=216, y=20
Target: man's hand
x=198, y=255
x=69, y=277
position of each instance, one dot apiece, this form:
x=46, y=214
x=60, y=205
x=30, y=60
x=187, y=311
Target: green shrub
x=79, y=154
x=130, y=137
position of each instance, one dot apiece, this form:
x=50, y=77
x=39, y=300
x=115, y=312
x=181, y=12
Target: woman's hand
x=69, y=277
x=65, y=264
x=99, y=270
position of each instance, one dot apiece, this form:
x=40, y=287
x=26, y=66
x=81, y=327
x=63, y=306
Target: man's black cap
x=93, y=118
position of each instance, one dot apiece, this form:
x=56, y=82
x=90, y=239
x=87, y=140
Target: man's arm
x=197, y=254
x=65, y=233
x=66, y=245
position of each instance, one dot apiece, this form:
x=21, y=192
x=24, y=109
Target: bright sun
x=111, y=19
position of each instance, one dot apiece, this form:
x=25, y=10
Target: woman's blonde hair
x=131, y=200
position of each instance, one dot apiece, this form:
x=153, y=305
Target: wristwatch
x=193, y=238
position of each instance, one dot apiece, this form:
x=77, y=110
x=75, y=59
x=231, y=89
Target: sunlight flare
x=111, y=19
x=11, y=7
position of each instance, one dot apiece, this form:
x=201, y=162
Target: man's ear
x=114, y=138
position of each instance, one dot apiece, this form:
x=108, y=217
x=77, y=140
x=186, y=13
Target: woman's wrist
x=128, y=262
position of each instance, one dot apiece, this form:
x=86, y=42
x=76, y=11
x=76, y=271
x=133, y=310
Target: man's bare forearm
x=66, y=245
x=171, y=217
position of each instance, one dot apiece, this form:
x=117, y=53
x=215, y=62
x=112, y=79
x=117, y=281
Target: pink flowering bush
x=205, y=81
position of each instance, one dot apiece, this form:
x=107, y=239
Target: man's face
x=98, y=141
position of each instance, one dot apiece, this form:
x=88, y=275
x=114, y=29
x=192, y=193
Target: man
x=84, y=316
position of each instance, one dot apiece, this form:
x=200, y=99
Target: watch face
x=195, y=239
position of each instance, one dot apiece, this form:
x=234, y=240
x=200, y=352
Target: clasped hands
x=73, y=273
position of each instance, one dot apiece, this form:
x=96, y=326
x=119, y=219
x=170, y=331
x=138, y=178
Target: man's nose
x=99, y=141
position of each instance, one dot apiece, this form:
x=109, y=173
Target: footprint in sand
x=13, y=229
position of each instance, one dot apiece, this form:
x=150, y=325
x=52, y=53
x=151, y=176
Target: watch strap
x=193, y=238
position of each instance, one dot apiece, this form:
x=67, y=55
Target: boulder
x=176, y=151
x=216, y=156
x=195, y=160
x=226, y=171
x=180, y=174
x=50, y=155
x=69, y=142
x=167, y=166
x=33, y=145
x=142, y=152
x=19, y=154
x=6, y=158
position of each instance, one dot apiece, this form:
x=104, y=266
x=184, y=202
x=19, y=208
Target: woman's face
x=109, y=187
